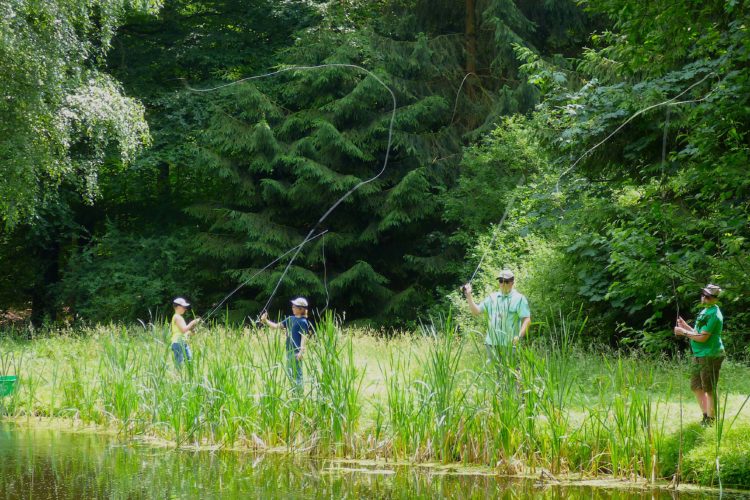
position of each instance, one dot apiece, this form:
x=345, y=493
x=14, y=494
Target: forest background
x=122, y=187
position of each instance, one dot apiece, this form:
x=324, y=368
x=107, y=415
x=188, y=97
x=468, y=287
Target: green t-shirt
x=710, y=320
x=504, y=314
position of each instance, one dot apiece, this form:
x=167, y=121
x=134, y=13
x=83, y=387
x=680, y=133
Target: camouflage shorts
x=705, y=373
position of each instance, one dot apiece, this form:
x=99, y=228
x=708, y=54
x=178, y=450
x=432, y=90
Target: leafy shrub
x=699, y=463
x=124, y=276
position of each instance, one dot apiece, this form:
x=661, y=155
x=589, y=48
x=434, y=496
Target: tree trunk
x=42, y=300
x=471, y=39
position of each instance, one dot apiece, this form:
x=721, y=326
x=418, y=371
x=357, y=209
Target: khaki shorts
x=705, y=373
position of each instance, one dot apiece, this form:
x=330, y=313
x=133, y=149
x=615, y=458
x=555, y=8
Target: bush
x=122, y=277
x=699, y=463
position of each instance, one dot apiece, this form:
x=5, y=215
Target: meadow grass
x=425, y=396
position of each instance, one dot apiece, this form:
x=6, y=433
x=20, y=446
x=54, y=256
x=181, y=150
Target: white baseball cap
x=300, y=302
x=181, y=302
x=712, y=290
x=505, y=274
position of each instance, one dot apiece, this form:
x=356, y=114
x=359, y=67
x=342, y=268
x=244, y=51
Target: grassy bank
x=424, y=397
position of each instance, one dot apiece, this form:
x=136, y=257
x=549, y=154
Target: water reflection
x=43, y=463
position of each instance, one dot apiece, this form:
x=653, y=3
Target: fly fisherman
x=508, y=316
x=708, y=350
x=180, y=331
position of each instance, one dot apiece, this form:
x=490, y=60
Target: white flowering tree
x=63, y=121
x=60, y=116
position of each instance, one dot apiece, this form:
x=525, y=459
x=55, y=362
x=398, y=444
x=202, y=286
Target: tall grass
x=336, y=383
x=432, y=396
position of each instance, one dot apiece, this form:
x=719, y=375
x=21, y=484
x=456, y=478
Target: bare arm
x=682, y=329
x=184, y=328
x=473, y=307
x=264, y=319
x=701, y=337
x=525, y=323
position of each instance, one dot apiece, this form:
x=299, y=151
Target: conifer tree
x=286, y=149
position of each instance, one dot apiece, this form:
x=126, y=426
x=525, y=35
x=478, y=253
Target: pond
x=58, y=463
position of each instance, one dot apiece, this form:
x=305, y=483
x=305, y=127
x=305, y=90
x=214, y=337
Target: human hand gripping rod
x=274, y=261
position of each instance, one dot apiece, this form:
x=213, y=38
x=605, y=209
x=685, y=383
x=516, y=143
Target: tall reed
x=443, y=395
x=336, y=383
x=547, y=404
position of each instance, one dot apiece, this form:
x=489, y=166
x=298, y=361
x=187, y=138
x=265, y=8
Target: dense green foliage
x=499, y=103
x=639, y=225
x=64, y=124
x=61, y=114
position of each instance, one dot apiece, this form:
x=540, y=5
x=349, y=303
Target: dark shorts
x=705, y=373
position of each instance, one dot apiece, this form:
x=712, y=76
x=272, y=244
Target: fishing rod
x=353, y=189
x=496, y=230
x=214, y=309
x=325, y=276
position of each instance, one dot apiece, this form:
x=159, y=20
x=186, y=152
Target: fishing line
x=458, y=94
x=669, y=102
x=674, y=287
x=216, y=308
x=353, y=189
x=678, y=473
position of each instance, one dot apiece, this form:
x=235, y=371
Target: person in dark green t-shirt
x=708, y=349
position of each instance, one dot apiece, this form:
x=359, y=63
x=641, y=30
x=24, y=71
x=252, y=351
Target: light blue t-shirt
x=504, y=314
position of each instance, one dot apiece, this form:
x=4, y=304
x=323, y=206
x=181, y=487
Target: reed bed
x=427, y=396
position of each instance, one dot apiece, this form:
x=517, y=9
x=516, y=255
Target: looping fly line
x=346, y=195
x=669, y=102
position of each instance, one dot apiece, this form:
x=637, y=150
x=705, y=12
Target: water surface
x=45, y=463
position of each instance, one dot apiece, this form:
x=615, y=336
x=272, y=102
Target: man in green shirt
x=507, y=313
x=708, y=350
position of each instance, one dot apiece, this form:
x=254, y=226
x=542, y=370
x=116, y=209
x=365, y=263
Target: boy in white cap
x=508, y=315
x=708, y=350
x=180, y=331
x=297, y=328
